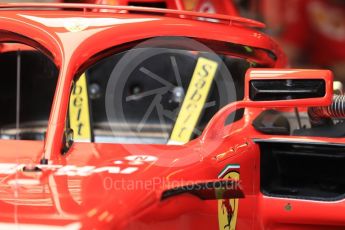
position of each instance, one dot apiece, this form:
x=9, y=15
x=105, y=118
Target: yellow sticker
x=194, y=101
x=79, y=111
x=228, y=208
x=190, y=4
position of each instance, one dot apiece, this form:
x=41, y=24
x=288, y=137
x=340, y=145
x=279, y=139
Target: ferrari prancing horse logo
x=228, y=208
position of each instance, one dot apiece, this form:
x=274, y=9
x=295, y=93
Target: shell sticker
x=76, y=25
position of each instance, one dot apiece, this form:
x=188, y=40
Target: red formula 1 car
x=115, y=117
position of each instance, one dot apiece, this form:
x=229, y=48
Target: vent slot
x=161, y=4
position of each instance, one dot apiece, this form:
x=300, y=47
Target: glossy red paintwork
x=221, y=7
x=171, y=4
x=79, y=199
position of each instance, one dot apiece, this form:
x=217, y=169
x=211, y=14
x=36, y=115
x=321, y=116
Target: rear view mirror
x=270, y=88
x=289, y=87
x=276, y=90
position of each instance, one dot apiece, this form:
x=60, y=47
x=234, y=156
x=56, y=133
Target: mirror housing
x=274, y=88
x=288, y=87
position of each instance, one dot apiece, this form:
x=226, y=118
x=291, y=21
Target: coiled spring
x=335, y=110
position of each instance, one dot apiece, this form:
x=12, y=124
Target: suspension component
x=318, y=115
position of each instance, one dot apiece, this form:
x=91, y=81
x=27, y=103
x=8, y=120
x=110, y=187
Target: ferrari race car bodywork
x=211, y=182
